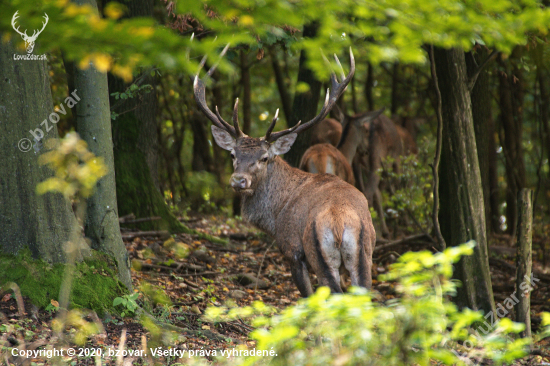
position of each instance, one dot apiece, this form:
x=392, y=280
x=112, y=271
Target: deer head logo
x=29, y=41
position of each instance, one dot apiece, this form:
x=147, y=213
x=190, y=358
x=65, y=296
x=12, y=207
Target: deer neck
x=273, y=193
x=349, y=142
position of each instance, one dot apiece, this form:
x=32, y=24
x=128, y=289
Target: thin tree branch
x=472, y=80
x=437, y=157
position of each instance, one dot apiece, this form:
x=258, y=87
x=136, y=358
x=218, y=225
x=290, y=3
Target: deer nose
x=239, y=182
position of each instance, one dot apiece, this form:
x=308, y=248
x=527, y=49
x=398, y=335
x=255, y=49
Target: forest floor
x=247, y=269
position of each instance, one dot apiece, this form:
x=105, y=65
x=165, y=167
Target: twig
x=121, y=346
x=437, y=157
x=161, y=233
x=122, y=220
x=408, y=239
x=261, y=264
x=472, y=80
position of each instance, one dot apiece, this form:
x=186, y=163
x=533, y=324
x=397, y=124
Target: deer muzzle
x=240, y=182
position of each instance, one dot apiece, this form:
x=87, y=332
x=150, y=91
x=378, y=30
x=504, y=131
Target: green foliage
x=394, y=29
x=420, y=325
x=76, y=169
x=411, y=194
x=128, y=304
x=95, y=282
x=204, y=191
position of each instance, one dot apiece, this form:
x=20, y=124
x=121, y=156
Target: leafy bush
x=420, y=325
x=205, y=193
x=410, y=193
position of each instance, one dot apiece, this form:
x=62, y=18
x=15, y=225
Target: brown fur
x=386, y=139
x=320, y=156
x=319, y=222
x=409, y=145
x=301, y=207
x=327, y=131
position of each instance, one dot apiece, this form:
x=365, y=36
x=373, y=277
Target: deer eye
x=264, y=160
x=232, y=156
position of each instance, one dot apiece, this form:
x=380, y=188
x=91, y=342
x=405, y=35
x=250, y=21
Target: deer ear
x=283, y=144
x=223, y=138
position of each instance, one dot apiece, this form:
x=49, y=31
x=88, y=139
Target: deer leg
x=380, y=211
x=358, y=173
x=300, y=275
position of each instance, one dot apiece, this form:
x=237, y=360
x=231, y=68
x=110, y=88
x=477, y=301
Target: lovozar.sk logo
x=29, y=40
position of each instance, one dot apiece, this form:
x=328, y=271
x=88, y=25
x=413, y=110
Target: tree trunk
x=247, y=95
x=305, y=104
x=135, y=141
x=481, y=113
x=395, y=88
x=93, y=123
x=543, y=82
x=368, y=87
x=462, y=213
x=281, y=85
x=41, y=223
x=511, y=116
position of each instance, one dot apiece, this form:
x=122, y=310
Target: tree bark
x=247, y=94
x=481, y=113
x=511, y=116
x=524, y=261
x=93, y=123
x=305, y=104
x=135, y=141
x=281, y=85
x=368, y=87
x=41, y=223
x=394, y=88
x=462, y=213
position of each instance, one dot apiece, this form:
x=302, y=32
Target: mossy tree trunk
x=41, y=223
x=305, y=104
x=93, y=123
x=462, y=213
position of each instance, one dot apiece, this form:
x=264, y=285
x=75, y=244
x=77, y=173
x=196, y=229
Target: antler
x=338, y=89
x=200, y=97
x=13, y=19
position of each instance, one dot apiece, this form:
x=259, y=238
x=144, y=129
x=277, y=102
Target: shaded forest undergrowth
x=247, y=269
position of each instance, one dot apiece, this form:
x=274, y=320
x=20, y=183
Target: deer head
x=252, y=156
x=29, y=41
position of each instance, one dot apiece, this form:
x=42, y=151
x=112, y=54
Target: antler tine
x=272, y=125
x=338, y=89
x=342, y=74
x=199, y=90
x=213, y=68
x=236, y=118
x=226, y=125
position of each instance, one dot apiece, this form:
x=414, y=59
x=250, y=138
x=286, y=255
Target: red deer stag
x=320, y=222
x=325, y=158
